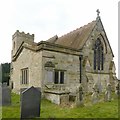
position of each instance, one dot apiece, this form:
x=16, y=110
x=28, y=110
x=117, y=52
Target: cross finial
x=98, y=12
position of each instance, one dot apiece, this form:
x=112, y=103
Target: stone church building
x=60, y=64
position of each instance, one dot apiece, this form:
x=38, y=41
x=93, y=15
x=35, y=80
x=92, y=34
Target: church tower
x=18, y=38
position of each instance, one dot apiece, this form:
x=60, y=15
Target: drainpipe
x=80, y=58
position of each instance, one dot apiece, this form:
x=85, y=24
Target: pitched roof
x=75, y=39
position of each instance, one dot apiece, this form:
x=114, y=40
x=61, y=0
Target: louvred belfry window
x=98, y=55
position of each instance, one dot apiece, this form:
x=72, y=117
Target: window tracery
x=98, y=55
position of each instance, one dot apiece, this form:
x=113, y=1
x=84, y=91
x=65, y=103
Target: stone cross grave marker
x=30, y=102
x=5, y=95
x=108, y=92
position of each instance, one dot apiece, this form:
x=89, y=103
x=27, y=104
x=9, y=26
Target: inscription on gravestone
x=30, y=103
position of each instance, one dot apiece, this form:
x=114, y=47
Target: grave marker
x=30, y=103
x=79, y=97
x=108, y=92
x=117, y=89
x=5, y=95
x=95, y=94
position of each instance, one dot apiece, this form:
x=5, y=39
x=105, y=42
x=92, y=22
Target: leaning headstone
x=95, y=94
x=5, y=95
x=30, y=103
x=108, y=92
x=79, y=96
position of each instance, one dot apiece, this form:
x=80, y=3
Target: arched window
x=98, y=55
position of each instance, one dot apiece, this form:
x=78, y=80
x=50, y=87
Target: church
x=59, y=65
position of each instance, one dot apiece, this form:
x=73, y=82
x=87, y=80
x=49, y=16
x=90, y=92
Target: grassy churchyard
x=50, y=110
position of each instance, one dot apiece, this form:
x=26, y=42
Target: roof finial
x=98, y=12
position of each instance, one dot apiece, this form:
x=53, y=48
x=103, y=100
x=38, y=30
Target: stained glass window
x=98, y=55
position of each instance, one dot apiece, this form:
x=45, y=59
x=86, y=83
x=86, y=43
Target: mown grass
x=12, y=111
x=50, y=110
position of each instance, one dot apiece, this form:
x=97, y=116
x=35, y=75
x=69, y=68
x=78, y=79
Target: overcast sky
x=46, y=18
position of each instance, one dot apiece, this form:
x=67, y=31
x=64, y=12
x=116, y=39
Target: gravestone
x=117, y=89
x=95, y=94
x=30, y=102
x=79, y=97
x=0, y=95
x=108, y=92
x=5, y=95
x=0, y=84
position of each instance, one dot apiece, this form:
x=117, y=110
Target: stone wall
x=18, y=38
x=31, y=60
x=88, y=60
x=68, y=63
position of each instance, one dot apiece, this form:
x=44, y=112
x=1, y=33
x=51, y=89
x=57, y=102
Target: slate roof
x=75, y=39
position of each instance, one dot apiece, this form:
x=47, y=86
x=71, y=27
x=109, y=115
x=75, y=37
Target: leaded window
x=59, y=77
x=98, y=55
x=25, y=76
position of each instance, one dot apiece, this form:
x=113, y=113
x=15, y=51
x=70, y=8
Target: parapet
x=24, y=35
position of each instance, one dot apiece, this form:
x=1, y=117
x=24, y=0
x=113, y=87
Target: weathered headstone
x=95, y=94
x=0, y=84
x=79, y=97
x=108, y=92
x=0, y=95
x=117, y=89
x=5, y=95
x=30, y=103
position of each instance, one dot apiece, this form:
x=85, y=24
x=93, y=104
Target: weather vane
x=98, y=12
